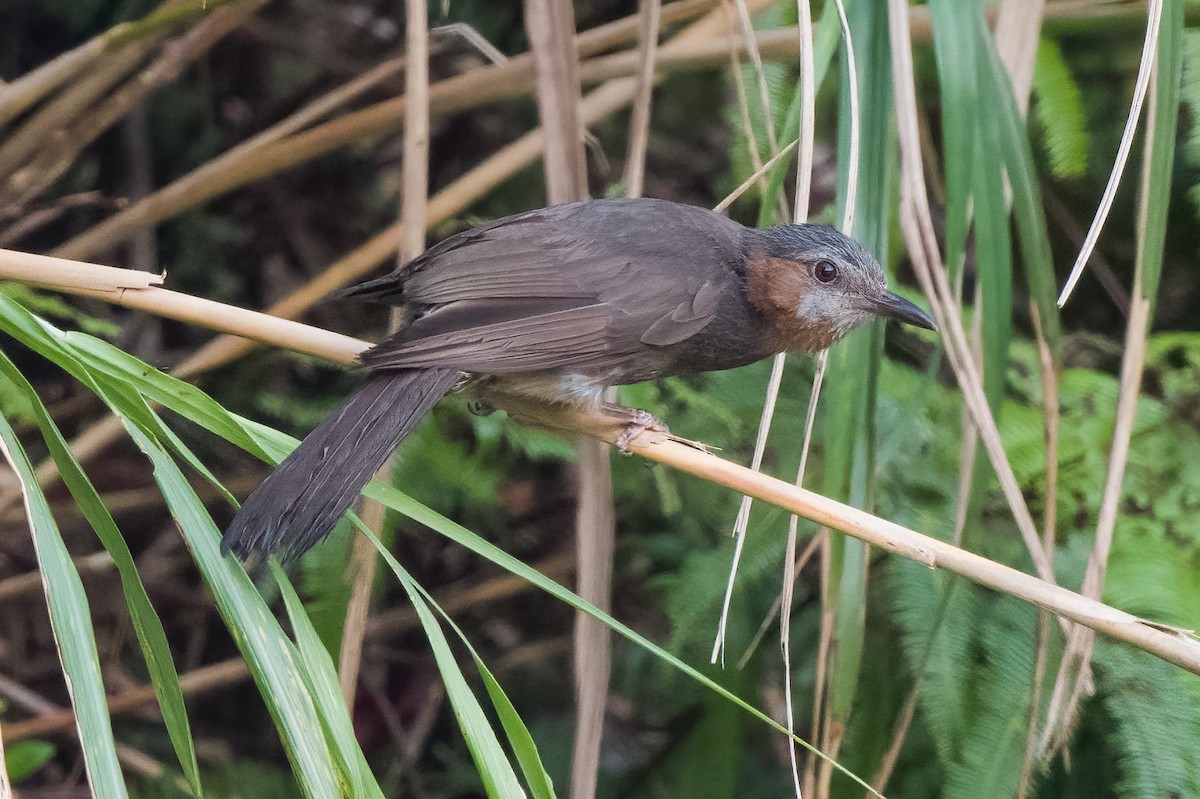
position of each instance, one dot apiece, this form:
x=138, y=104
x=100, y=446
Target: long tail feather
x=300, y=502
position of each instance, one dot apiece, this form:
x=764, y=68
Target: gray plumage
x=554, y=305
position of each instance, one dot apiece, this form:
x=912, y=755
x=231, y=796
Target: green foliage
x=1190, y=97
x=889, y=433
x=1059, y=112
x=26, y=757
x=1156, y=723
x=55, y=307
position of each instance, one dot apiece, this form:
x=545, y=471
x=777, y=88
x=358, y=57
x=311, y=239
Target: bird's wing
x=571, y=337
x=569, y=286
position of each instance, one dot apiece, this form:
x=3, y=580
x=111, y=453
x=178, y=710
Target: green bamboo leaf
x=1164, y=117
x=405, y=505
x=519, y=738
x=257, y=634
x=1027, y=209
x=321, y=677
x=149, y=630
x=524, y=747
x=267, y=650
x=994, y=261
x=163, y=389
x=71, y=621
x=1059, y=112
x=497, y=773
x=850, y=385
x=954, y=49
x=182, y=398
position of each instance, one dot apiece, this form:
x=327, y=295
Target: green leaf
x=826, y=33
x=954, y=49
x=71, y=621
x=322, y=680
x=267, y=650
x=1059, y=112
x=26, y=757
x=1164, y=116
x=850, y=384
x=1027, y=209
x=257, y=634
x=497, y=773
x=1156, y=734
x=149, y=630
x=518, y=734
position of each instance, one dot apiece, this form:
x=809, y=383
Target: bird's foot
x=639, y=422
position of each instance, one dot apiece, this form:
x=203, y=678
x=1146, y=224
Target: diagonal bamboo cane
x=1168, y=643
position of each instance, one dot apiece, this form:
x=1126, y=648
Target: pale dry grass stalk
x=1141, y=87
x=804, y=169
x=550, y=25
x=1018, y=30
x=1049, y=370
x=806, y=555
x=473, y=38
x=289, y=144
x=828, y=735
x=44, y=148
x=1168, y=643
x=917, y=226
x=650, y=13
x=500, y=166
x=760, y=75
x=360, y=571
x=31, y=88
x=1074, y=680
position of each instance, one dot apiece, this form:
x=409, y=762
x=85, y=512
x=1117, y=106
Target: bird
x=549, y=308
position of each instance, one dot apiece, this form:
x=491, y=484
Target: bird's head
x=815, y=285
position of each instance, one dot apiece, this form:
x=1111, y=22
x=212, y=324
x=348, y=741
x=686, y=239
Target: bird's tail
x=300, y=502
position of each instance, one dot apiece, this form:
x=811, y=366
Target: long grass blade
x=267, y=651
x=149, y=630
x=71, y=621
x=1149, y=47
x=497, y=773
x=518, y=734
x=321, y=678
x=1153, y=202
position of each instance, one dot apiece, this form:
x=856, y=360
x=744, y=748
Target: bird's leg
x=636, y=422
x=618, y=424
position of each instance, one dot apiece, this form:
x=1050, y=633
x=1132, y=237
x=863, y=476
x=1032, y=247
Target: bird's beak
x=896, y=307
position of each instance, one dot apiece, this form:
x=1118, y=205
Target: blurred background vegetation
x=936, y=677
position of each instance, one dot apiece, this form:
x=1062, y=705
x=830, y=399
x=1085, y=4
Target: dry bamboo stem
x=265, y=156
x=502, y=165
x=1170, y=644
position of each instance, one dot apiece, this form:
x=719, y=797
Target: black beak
x=896, y=307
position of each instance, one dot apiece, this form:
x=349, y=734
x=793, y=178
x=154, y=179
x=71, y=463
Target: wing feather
x=567, y=286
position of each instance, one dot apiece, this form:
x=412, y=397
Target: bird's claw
x=639, y=422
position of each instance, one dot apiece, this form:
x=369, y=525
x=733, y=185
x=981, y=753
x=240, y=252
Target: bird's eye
x=826, y=272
